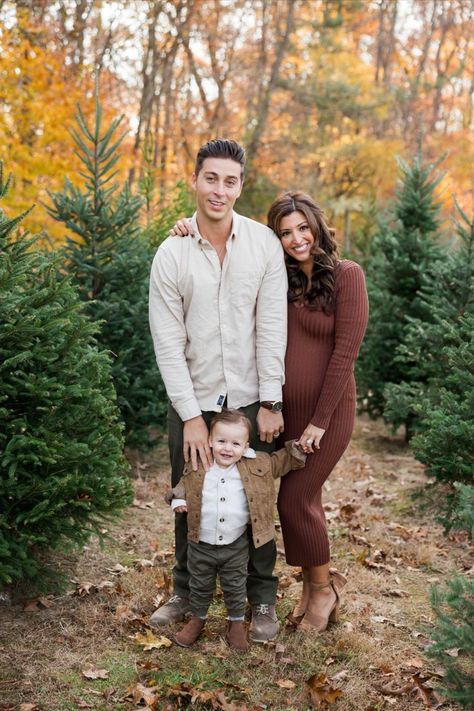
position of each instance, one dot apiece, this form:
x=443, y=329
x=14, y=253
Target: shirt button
x=222, y=481
x=221, y=537
x=221, y=520
x=222, y=498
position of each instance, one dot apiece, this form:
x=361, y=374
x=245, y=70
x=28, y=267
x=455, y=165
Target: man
x=218, y=321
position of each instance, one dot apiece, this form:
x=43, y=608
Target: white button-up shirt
x=220, y=331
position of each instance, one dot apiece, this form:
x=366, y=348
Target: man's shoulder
x=173, y=249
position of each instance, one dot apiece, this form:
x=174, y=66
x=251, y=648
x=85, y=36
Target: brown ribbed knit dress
x=319, y=388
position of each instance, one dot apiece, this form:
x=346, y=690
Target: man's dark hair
x=221, y=148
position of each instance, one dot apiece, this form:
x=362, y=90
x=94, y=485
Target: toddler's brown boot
x=190, y=632
x=236, y=636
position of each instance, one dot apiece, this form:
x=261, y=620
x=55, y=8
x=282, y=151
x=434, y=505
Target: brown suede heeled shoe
x=313, y=622
x=338, y=580
x=190, y=632
x=236, y=636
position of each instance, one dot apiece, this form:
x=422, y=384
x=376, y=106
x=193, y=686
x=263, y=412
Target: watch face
x=277, y=407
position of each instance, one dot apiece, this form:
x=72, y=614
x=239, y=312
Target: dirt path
x=382, y=539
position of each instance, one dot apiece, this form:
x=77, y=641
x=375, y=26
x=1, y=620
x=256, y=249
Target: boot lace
x=174, y=599
x=262, y=609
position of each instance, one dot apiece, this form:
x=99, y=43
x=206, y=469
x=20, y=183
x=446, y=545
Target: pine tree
x=445, y=441
x=62, y=470
x=110, y=262
x=446, y=297
x=402, y=254
x=454, y=610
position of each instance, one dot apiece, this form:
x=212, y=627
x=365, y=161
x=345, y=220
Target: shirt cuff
x=178, y=502
x=271, y=390
x=187, y=409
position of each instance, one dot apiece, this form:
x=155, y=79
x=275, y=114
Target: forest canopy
x=323, y=93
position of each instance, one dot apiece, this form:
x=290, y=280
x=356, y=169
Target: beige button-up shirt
x=220, y=331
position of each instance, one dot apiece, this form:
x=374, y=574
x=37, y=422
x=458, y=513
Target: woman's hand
x=182, y=228
x=310, y=438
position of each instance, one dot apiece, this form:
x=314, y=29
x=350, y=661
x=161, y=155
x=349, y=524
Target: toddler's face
x=228, y=443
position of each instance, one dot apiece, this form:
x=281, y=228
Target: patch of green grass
x=122, y=672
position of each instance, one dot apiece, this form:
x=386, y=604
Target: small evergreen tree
x=180, y=205
x=446, y=297
x=402, y=255
x=454, y=610
x=445, y=441
x=161, y=215
x=110, y=262
x=62, y=470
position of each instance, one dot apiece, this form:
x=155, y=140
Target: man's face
x=217, y=185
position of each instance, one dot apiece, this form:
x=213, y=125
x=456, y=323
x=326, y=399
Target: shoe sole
x=263, y=641
x=234, y=649
x=181, y=644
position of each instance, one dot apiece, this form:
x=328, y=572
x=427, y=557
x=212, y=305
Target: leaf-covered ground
x=90, y=648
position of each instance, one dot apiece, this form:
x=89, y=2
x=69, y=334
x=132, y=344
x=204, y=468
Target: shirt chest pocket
x=244, y=286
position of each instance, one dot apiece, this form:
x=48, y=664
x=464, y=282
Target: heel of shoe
x=334, y=616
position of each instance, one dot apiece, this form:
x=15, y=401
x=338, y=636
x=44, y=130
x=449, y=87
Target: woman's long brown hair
x=320, y=292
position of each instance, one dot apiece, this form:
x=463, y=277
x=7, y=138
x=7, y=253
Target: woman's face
x=297, y=238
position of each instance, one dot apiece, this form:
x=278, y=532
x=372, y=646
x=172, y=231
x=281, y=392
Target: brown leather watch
x=275, y=406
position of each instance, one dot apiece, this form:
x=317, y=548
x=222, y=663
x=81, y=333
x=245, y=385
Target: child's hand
x=181, y=509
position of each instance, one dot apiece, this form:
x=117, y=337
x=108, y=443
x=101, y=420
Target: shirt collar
x=250, y=453
x=235, y=226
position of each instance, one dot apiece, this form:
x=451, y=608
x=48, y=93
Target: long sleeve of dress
x=351, y=318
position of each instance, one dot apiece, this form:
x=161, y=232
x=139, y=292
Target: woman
x=327, y=317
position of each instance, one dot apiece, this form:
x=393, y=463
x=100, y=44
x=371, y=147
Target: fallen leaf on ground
x=149, y=665
x=395, y=592
x=286, y=683
x=37, y=604
x=118, y=569
x=416, y=662
x=140, y=693
x=378, y=566
x=143, y=563
x=95, y=673
x=343, y=674
x=429, y=698
x=125, y=614
x=81, y=704
x=148, y=641
x=106, y=585
x=140, y=504
x=157, y=600
x=83, y=589
x=381, y=618
x=454, y=652
x=28, y=707
x=279, y=649
x=347, y=511
x=321, y=691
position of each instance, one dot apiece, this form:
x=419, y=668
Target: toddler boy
x=238, y=490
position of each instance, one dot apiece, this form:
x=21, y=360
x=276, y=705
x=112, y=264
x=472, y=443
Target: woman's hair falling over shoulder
x=320, y=294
